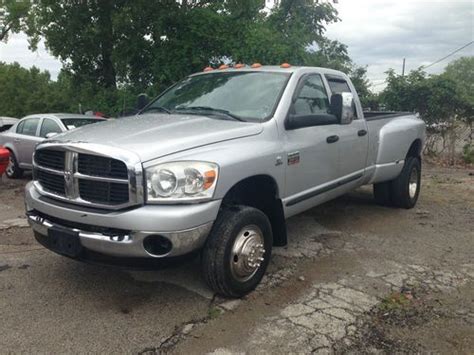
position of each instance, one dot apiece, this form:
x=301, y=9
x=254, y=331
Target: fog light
x=157, y=245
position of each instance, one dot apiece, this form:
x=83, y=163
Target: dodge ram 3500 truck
x=216, y=164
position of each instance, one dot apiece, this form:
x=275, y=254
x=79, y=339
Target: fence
x=451, y=143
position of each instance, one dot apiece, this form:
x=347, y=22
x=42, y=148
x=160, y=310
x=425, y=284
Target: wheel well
x=415, y=149
x=261, y=191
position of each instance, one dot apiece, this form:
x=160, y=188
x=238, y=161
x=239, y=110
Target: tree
x=461, y=72
x=26, y=91
x=13, y=15
x=80, y=34
x=147, y=43
x=358, y=77
x=109, y=47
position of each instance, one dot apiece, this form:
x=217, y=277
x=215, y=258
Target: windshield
x=240, y=95
x=72, y=123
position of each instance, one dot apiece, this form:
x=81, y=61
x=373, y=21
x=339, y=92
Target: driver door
x=312, y=156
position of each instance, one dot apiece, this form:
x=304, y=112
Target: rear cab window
x=339, y=85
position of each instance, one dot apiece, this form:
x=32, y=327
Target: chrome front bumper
x=185, y=226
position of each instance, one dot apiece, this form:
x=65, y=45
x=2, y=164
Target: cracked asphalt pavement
x=355, y=277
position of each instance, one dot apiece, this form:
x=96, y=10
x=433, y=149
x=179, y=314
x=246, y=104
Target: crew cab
x=215, y=165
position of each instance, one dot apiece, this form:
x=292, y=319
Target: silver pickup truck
x=216, y=164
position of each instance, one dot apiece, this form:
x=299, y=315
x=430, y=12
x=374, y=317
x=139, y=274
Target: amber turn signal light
x=209, y=178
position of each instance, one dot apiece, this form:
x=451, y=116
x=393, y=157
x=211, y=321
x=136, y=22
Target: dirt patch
x=355, y=277
x=418, y=320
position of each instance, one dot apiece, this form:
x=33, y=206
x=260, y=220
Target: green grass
x=394, y=301
x=214, y=312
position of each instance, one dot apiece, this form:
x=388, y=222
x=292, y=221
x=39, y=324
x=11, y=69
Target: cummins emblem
x=293, y=158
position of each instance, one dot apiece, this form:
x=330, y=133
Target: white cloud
x=16, y=50
x=380, y=33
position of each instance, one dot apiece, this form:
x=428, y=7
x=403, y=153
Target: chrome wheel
x=413, y=183
x=11, y=166
x=247, y=253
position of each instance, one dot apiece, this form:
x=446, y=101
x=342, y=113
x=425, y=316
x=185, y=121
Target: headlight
x=185, y=181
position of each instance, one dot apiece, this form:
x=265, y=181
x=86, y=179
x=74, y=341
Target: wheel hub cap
x=247, y=253
x=413, y=183
x=10, y=166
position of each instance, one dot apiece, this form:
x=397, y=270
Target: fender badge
x=293, y=158
x=279, y=161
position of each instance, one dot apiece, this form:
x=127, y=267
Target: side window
x=19, y=128
x=30, y=126
x=49, y=126
x=312, y=97
x=338, y=85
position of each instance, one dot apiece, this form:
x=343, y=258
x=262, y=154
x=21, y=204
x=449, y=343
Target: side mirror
x=342, y=106
x=142, y=101
x=50, y=134
x=300, y=121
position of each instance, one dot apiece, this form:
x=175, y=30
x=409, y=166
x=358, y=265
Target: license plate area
x=64, y=241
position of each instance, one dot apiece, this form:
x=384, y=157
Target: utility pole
x=403, y=70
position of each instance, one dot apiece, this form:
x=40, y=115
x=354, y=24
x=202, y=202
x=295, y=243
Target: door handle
x=16, y=140
x=362, y=132
x=332, y=139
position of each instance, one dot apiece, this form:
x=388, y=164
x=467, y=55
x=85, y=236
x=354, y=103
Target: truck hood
x=152, y=136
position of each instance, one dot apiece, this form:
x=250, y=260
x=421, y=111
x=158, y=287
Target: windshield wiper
x=210, y=110
x=157, y=108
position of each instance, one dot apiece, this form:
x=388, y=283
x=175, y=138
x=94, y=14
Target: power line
x=435, y=62
x=449, y=55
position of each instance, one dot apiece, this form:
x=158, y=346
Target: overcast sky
x=378, y=33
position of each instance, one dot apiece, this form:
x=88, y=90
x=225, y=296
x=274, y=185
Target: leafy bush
x=468, y=154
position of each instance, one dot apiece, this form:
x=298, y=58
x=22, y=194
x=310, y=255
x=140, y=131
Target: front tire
x=237, y=251
x=13, y=169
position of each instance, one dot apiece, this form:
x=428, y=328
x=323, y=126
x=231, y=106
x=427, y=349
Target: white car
x=23, y=136
x=7, y=122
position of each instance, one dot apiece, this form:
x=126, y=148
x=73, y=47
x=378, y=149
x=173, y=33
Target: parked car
x=4, y=159
x=7, y=122
x=22, y=138
x=216, y=164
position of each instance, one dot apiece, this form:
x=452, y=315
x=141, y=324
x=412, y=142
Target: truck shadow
x=308, y=234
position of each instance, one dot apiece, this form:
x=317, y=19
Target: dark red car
x=4, y=158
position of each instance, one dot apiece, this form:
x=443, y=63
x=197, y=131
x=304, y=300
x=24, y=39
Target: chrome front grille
x=87, y=179
x=51, y=182
x=100, y=166
x=53, y=159
x=103, y=192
